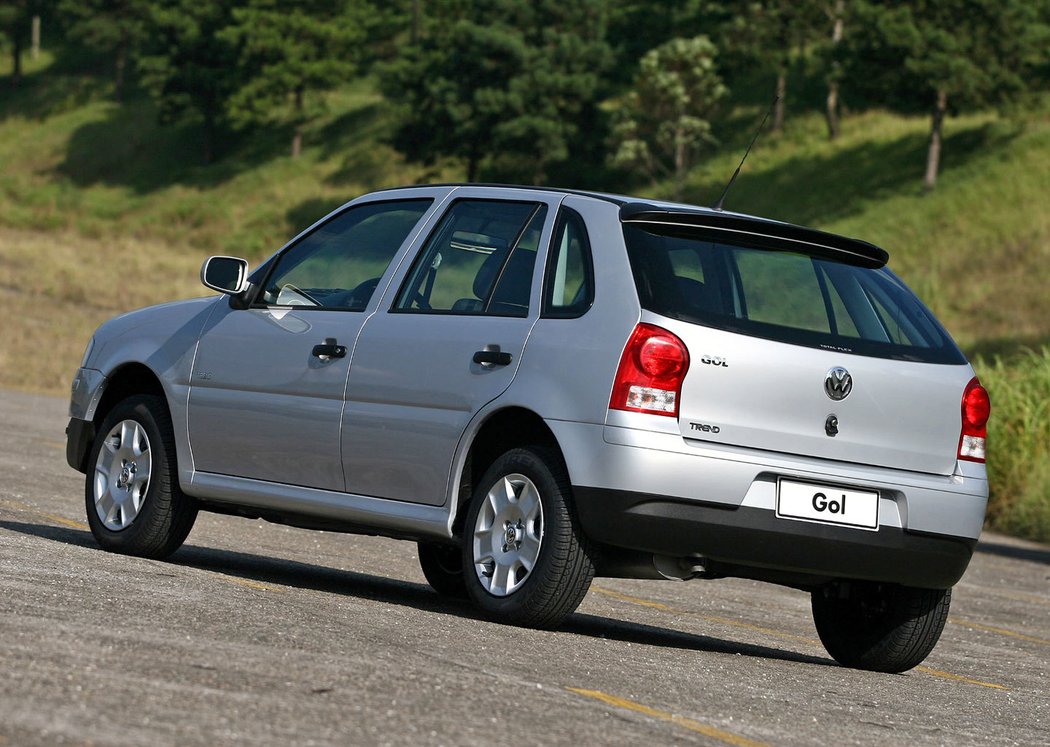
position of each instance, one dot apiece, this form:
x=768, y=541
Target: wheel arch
x=500, y=431
x=125, y=381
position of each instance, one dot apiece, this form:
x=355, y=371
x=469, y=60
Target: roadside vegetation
x=110, y=202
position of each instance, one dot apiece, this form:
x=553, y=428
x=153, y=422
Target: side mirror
x=227, y=275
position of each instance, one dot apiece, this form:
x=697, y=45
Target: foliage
x=932, y=54
x=111, y=27
x=188, y=67
x=767, y=34
x=1019, y=443
x=666, y=118
x=287, y=51
x=510, y=84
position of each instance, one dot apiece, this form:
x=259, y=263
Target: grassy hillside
x=101, y=211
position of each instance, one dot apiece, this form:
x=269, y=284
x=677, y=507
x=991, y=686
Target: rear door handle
x=329, y=349
x=491, y=355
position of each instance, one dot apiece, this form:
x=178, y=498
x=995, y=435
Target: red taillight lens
x=652, y=368
x=976, y=407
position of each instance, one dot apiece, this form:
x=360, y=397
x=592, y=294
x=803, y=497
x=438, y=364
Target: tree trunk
x=16, y=59
x=831, y=112
x=208, y=136
x=118, y=76
x=417, y=14
x=34, y=48
x=778, y=108
x=933, y=155
x=832, y=103
x=297, y=137
x=473, y=160
x=679, y=166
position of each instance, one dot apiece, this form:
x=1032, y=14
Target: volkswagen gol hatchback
x=540, y=386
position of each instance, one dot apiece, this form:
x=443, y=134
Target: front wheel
x=133, y=501
x=525, y=559
x=879, y=627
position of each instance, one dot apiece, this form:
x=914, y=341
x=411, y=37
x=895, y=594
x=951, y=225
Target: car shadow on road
x=1015, y=552
x=298, y=575
x=420, y=596
x=78, y=537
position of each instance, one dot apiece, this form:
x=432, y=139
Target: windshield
x=700, y=276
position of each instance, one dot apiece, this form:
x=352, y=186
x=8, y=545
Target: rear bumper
x=658, y=493
x=754, y=543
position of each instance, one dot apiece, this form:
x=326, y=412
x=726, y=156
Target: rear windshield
x=698, y=276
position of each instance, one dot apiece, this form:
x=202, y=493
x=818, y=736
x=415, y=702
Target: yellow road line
x=63, y=521
x=812, y=641
x=242, y=581
x=19, y=506
x=1000, y=631
x=959, y=678
x=707, y=730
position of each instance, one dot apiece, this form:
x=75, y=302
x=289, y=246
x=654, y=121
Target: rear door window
x=479, y=260
x=703, y=277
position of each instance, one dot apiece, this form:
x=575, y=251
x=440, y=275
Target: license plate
x=827, y=504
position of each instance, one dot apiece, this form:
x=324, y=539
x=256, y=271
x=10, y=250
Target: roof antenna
x=722, y=199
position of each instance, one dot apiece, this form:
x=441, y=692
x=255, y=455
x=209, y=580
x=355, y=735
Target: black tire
x=443, y=567
x=879, y=627
x=165, y=515
x=561, y=574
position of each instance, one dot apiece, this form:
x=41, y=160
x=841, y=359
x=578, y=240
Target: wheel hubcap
x=122, y=473
x=508, y=534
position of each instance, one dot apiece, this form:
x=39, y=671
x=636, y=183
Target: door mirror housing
x=227, y=275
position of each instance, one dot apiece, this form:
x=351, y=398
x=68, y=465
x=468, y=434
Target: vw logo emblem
x=838, y=383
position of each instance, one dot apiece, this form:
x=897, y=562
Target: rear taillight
x=976, y=407
x=652, y=368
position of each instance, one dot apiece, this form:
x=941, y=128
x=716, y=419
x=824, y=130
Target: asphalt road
x=254, y=633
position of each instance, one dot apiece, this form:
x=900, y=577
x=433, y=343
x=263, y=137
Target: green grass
x=1019, y=442
x=96, y=196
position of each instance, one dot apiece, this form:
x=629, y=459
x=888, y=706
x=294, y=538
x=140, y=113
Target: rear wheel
x=525, y=559
x=133, y=501
x=879, y=627
x=443, y=567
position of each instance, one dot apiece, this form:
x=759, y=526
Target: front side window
x=778, y=294
x=479, y=260
x=339, y=264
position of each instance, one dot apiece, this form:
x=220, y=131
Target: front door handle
x=329, y=349
x=491, y=355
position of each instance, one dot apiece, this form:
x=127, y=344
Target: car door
x=267, y=391
x=447, y=343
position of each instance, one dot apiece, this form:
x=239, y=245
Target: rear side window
x=569, y=281
x=787, y=296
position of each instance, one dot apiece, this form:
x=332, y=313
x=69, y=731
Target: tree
x=16, y=22
x=288, y=50
x=189, y=67
x=511, y=85
x=111, y=27
x=769, y=34
x=933, y=54
x=666, y=118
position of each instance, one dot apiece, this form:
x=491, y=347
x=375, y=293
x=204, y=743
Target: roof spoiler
x=811, y=241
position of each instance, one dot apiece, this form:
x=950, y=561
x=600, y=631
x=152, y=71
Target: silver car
x=538, y=386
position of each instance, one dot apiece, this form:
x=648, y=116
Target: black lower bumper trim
x=754, y=543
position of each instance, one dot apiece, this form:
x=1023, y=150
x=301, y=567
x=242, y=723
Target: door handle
x=492, y=356
x=329, y=349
